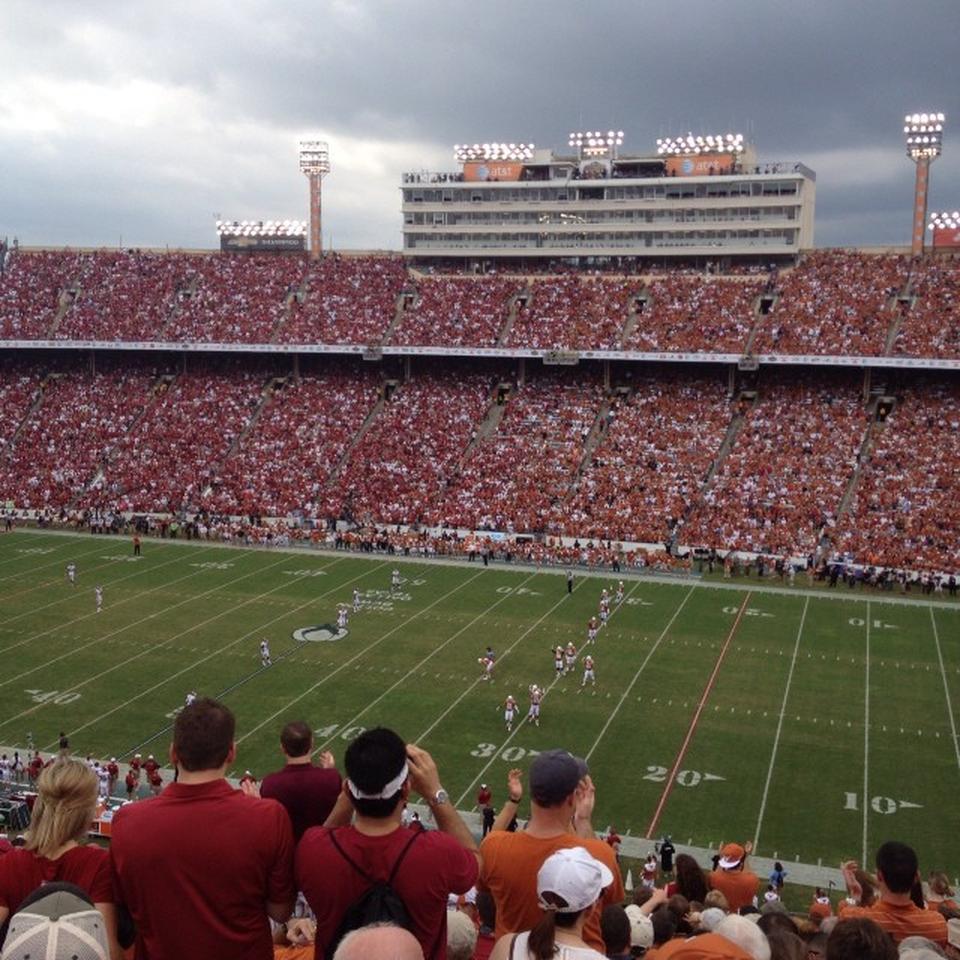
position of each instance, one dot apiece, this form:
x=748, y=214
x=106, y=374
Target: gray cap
x=554, y=775
x=58, y=924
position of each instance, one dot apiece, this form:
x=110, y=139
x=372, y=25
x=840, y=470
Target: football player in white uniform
x=265, y=659
x=509, y=712
x=588, y=674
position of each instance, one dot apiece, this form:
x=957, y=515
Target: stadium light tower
x=596, y=143
x=315, y=164
x=924, y=133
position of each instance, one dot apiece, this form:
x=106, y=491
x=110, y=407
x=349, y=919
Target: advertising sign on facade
x=946, y=237
x=702, y=165
x=488, y=170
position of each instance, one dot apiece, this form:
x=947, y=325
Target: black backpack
x=379, y=903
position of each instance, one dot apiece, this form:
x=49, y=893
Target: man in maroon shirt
x=202, y=866
x=381, y=771
x=308, y=792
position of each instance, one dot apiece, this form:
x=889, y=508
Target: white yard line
x=776, y=739
x=636, y=676
x=59, y=546
x=163, y=643
x=43, y=566
x=523, y=718
x=866, y=743
x=92, y=615
x=220, y=650
x=419, y=665
x=946, y=689
x=106, y=583
x=361, y=653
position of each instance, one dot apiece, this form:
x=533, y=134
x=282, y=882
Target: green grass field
x=829, y=725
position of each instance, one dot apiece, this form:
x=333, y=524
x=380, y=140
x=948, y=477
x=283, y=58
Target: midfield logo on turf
x=320, y=633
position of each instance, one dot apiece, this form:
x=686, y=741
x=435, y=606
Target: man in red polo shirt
x=895, y=911
x=339, y=862
x=202, y=866
x=308, y=792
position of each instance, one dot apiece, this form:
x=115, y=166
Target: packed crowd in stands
x=235, y=299
x=905, y=508
x=696, y=314
x=931, y=327
x=175, y=450
x=573, y=313
x=648, y=468
x=516, y=478
x=125, y=295
x=347, y=300
x=473, y=447
x=787, y=470
x=307, y=426
x=337, y=866
x=401, y=465
x=456, y=312
x=834, y=303
x=61, y=445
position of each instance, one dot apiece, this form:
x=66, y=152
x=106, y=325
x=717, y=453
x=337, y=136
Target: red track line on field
x=668, y=786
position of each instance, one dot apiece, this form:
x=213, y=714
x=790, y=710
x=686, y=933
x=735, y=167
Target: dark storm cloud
x=393, y=86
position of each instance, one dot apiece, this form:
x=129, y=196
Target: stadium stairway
x=407, y=299
x=270, y=389
x=183, y=292
x=598, y=431
x=638, y=304
x=357, y=437
x=49, y=379
x=863, y=456
x=759, y=315
x=293, y=296
x=513, y=305
x=68, y=297
x=900, y=308
x=490, y=422
x=163, y=383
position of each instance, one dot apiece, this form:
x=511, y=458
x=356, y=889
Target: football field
x=818, y=723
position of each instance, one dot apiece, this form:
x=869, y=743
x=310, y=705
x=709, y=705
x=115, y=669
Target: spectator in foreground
x=895, y=911
x=384, y=941
x=561, y=802
x=569, y=884
x=860, y=939
x=204, y=864
x=731, y=877
x=461, y=936
x=338, y=863
x=58, y=920
x=308, y=793
x=615, y=929
x=67, y=793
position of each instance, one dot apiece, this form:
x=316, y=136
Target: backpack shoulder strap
x=343, y=853
x=403, y=853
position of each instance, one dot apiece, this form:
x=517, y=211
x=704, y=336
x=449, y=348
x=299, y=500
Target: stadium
x=589, y=373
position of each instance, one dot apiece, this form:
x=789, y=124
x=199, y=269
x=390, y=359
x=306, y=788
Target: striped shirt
x=902, y=920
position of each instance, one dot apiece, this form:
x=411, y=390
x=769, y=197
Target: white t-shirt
x=518, y=950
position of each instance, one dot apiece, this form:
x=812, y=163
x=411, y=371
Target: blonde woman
x=65, y=807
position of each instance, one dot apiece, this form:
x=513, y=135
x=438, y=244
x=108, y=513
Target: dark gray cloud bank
x=137, y=123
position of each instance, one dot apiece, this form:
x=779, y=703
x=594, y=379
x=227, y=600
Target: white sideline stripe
x=356, y=656
x=142, y=653
x=417, y=666
x=636, y=676
x=776, y=739
x=866, y=742
x=946, y=689
x=88, y=616
x=523, y=719
x=233, y=643
x=108, y=583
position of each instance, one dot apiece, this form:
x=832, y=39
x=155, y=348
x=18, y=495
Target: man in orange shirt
x=731, y=877
x=561, y=805
x=895, y=912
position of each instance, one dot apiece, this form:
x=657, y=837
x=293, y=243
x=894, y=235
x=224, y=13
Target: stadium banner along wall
x=492, y=170
x=702, y=166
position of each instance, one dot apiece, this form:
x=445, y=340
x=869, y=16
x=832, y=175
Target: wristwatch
x=439, y=798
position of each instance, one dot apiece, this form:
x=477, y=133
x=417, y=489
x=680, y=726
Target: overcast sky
x=140, y=121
